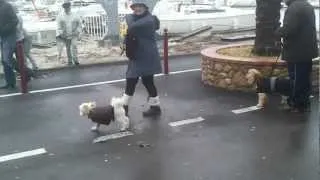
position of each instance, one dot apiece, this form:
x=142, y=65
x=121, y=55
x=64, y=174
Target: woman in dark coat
x=142, y=51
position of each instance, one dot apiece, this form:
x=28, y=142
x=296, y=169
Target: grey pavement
x=260, y=145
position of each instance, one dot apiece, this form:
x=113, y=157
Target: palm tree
x=111, y=8
x=267, y=22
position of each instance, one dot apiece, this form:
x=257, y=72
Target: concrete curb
x=120, y=61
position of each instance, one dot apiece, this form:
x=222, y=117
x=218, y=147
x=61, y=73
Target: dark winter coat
x=281, y=85
x=141, y=46
x=299, y=32
x=102, y=115
x=8, y=19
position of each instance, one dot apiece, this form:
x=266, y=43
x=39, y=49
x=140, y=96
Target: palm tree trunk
x=267, y=22
x=111, y=9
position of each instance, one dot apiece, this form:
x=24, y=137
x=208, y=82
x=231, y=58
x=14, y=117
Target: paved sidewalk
x=91, y=54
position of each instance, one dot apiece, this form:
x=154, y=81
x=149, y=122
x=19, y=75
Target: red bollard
x=21, y=64
x=165, y=52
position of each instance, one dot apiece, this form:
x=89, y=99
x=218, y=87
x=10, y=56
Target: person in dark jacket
x=144, y=58
x=299, y=48
x=8, y=24
x=21, y=39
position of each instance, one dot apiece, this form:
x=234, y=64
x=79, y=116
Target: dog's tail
x=256, y=72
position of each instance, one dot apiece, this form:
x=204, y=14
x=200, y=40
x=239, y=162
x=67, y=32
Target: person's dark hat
x=66, y=3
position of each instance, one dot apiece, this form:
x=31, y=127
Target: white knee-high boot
x=154, y=107
x=126, y=101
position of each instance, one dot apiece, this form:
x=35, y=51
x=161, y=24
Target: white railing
x=95, y=26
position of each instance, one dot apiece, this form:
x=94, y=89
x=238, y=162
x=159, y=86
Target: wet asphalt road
x=259, y=145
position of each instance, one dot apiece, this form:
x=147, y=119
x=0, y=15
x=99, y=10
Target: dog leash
x=273, y=66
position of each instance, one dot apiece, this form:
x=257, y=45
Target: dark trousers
x=71, y=47
x=148, y=82
x=300, y=75
x=8, y=45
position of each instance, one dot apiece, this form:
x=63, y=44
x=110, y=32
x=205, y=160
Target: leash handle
x=273, y=66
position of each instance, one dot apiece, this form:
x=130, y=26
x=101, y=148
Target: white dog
x=106, y=114
x=266, y=86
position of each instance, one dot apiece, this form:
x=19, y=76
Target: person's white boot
x=262, y=100
x=154, y=107
x=126, y=101
x=95, y=127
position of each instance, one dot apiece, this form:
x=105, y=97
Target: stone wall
x=230, y=72
x=232, y=76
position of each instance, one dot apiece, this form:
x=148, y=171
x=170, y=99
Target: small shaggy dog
x=266, y=86
x=106, y=114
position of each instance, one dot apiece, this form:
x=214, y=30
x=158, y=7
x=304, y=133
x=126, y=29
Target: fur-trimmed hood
x=143, y=2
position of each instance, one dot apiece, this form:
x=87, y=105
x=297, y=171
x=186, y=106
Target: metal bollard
x=165, y=52
x=21, y=64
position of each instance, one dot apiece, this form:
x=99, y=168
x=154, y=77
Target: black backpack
x=131, y=44
x=157, y=22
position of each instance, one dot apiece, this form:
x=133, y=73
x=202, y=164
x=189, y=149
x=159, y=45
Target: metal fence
x=95, y=26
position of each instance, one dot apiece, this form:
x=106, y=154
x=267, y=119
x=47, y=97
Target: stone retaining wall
x=230, y=72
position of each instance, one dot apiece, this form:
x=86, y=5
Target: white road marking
x=90, y=84
x=22, y=155
x=10, y=95
x=187, y=121
x=247, y=109
x=75, y=86
x=183, y=71
x=112, y=136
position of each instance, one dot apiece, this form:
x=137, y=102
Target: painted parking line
x=185, y=122
x=21, y=155
x=89, y=84
x=10, y=95
x=112, y=136
x=245, y=110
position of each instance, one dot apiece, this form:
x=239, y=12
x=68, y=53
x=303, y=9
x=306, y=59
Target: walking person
x=299, y=48
x=144, y=58
x=21, y=38
x=8, y=25
x=68, y=32
x=27, y=45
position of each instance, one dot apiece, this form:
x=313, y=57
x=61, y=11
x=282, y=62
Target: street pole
x=165, y=52
x=22, y=67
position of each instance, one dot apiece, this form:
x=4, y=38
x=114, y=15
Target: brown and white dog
x=114, y=112
x=265, y=86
